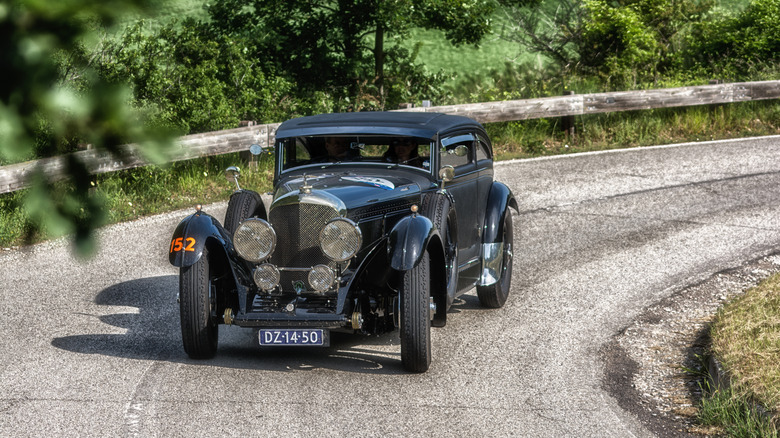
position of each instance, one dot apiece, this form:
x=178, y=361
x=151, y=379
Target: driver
x=405, y=151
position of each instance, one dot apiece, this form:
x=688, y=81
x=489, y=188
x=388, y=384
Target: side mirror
x=256, y=149
x=458, y=151
x=232, y=174
x=447, y=173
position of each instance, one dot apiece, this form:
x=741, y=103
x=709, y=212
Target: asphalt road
x=93, y=349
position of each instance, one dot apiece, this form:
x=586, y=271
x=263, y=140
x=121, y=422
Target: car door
x=484, y=161
x=464, y=189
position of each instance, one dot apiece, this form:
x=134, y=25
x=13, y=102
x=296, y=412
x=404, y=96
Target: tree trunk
x=379, y=62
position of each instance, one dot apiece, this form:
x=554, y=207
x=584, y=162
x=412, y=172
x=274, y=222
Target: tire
x=416, y=317
x=243, y=204
x=495, y=295
x=437, y=208
x=199, y=330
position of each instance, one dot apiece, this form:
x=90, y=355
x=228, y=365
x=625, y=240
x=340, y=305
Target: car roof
x=413, y=124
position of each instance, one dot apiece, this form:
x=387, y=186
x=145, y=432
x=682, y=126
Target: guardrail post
x=568, y=122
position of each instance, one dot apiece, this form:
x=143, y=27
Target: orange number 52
x=178, y=244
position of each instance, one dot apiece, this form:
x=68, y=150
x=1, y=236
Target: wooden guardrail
x=584, y=104
x=17, y=176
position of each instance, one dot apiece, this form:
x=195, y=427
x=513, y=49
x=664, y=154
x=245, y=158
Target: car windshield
x=338, y=149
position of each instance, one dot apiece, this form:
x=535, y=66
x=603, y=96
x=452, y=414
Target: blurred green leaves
x=53, y=102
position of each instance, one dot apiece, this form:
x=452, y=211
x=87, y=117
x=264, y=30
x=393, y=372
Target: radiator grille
x=297, y=229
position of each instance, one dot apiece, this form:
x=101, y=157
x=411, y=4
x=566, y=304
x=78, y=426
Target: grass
x=438, y=55
x=746, y=339
x=175, y=9
x=731, y=413
x=150, y=190
x=541, y=137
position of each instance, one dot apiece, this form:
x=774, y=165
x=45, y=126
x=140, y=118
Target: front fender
x=190, y=238
x=408, y=240
x=499, y=199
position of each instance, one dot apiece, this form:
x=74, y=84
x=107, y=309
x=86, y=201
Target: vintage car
x=379, y=221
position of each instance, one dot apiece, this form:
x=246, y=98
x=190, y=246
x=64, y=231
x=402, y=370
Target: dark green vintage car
x=379, y=220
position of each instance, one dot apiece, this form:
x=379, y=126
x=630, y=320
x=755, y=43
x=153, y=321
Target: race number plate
x=310, y=337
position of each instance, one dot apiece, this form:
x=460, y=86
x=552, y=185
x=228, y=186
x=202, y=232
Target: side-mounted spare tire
x=243, y=204
x=438, y=208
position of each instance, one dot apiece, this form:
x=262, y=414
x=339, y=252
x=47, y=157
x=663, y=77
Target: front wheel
x=199, y=329
x=416, y=317
x=495, y=295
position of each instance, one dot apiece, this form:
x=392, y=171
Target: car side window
x=483, y=148
x=301, y=152
x=296, y=152
x=456, y=150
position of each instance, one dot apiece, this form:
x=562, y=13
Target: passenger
x=338, y=148
x=404, y=151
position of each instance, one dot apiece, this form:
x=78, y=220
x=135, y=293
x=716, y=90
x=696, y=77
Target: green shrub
x=742, y=46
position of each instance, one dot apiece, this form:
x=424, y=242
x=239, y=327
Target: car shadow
x=464, y=303
x=154, y=333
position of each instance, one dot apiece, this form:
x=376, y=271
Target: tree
x=196, y=79
x=342, y=45
x=40, y=112
x=623, y=42
x=619, y=44
x=553, y=29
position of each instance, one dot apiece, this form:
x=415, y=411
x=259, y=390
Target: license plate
x=313, y=337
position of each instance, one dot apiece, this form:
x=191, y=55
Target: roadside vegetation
x=746, y=340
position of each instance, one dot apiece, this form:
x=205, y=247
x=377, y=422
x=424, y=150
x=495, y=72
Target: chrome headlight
x=340, y=239
x=266, y=276
x=254, y=240
x=321, y=277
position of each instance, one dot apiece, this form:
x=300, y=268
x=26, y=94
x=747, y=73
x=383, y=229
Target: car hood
x=353, y=190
